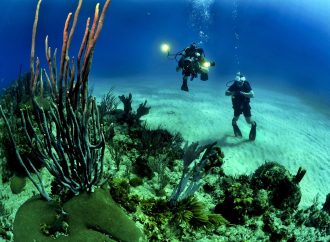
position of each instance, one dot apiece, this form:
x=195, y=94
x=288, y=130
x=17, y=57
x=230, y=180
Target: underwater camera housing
x=204, y=70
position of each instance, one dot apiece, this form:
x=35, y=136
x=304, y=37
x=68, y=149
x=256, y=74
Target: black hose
x=175, y=56
x=227, y=84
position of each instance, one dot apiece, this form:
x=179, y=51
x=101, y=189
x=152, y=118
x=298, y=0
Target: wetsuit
x=241, y=104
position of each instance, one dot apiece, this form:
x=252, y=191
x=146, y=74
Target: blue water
x=287, y=41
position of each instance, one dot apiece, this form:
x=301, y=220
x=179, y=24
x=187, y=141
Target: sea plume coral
x=67, y=137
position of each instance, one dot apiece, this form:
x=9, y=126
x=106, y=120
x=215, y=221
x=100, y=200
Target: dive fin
x=237, y=131
x=253, y=132
x=184, y=86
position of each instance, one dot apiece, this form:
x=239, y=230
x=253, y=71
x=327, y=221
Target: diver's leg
x=249, y=120
x=253, y=131
x=184, y=86
x=204, y=76
x=236, y=129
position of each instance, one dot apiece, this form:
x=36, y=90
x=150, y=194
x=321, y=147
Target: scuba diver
x=192, y=63
x=241, y=92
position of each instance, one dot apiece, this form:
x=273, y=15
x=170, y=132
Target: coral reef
x=270, y=186
x=108, y=104
x=283, y=187
x=127, y=115
x=5, y=224
x=326, y=205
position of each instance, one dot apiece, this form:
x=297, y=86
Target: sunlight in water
x=201, y=17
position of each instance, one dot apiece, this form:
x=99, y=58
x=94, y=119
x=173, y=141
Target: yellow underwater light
x=206, y=64
x=165, y=48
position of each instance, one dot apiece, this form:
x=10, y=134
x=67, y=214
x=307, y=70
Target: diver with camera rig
x=192, y=63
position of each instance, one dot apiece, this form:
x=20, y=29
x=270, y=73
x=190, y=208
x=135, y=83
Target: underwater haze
x=270, y=41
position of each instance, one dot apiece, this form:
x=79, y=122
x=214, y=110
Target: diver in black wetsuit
x=241, y=92
x=192, y=63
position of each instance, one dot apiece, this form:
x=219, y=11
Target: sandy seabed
x=289, y=130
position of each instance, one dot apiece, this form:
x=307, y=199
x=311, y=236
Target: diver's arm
x=249, y=94
x=229, y=93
